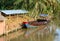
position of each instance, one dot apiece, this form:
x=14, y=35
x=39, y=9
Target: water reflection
x=57, y=35
x=42, y=33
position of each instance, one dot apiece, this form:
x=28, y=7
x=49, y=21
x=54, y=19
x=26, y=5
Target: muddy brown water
x=48, y=33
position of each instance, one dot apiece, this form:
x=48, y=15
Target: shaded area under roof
x=9, y=12
x=1, y=18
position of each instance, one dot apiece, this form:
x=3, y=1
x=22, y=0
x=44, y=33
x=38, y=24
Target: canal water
x=49, y=32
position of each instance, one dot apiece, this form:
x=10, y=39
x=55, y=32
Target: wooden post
x=16, y=20
x=16, y=26
x=17, y=17
x=8, y=30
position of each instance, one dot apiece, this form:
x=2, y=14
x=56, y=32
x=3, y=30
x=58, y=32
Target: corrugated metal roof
x=8, y=12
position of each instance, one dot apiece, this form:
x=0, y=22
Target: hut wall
x=2, y=27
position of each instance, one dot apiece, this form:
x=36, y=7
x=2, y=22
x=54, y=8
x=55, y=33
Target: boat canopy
x=43, y=15
x=9, y=12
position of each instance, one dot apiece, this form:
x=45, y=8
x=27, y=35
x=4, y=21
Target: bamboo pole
x=16, y=28
x=8, y=28
x=5, y=29
x=7, y=38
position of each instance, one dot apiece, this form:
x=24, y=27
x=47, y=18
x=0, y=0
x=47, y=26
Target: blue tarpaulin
x=44, y=15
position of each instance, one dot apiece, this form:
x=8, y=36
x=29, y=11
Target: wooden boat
x=43, y=20
x=34, y=23
x=39, y=22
